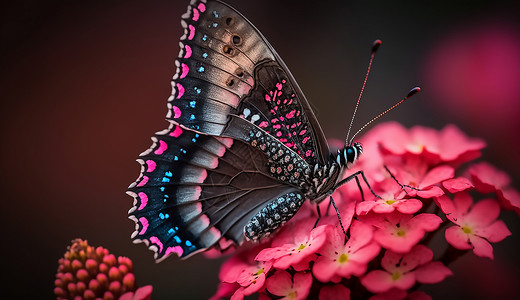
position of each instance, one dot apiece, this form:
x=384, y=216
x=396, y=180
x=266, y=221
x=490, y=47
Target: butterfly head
x=347, y=156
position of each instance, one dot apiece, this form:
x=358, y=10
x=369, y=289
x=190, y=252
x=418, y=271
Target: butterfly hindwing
x=197, y=191
x=226, y=67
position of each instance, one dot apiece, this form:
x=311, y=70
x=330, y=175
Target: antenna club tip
x=376, y=45
x=413, y=91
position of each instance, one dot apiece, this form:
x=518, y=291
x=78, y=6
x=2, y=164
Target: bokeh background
x=83, y=85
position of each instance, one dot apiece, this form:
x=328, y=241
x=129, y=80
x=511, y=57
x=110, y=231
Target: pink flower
x=488, y=179
x=338, y=258
x=402, y=271
x=476, y=225
x=392, y=199
x=417, y=174
x=250, y=276
x=281, y=284
x=336, y=292
x=400, y=232
x=450, y=145
x=92, y=272
x=295, y=243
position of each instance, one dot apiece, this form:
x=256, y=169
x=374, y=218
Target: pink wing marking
x=176, y=132
x=175, y=249
x=144, y=181
x=195, y=14
x=144, y=200
x=157, y=241
x=143, y=221
x=151, y=165
x=181, y=90
x=185, y=70
x=176, y=112
x=188, y=51
x=162, y=147
x=192, y=32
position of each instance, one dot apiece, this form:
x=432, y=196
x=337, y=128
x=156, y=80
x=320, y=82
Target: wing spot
x=230, y=82
x=239, y=72
x=229, y=21
x=228, y=50
x=236, y=40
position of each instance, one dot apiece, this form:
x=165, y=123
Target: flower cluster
x=425, y=182
x=86, y=272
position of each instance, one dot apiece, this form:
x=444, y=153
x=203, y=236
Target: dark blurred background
x=84, y=85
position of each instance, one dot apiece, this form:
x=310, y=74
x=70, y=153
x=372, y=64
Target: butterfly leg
x=403, y=186
x=355, y=176
x=339, y=217
x=319, y=215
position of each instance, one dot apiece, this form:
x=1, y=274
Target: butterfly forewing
x=226, y=67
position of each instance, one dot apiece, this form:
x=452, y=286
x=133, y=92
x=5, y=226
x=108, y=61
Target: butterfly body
x=243, y=150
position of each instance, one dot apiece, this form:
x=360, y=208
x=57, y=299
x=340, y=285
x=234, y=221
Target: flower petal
x=432, y=272
x=279, y=284
x=510, y=199
x=481, y=247
x=458, y=184
x=496, y=232
x=364, y=207
x=463, y=202
x=430, y=192
x=427, y=222
x=409, y=206
x=377, y=281
x=437, y=175
x=483, y=213
x=302, y=284
x=457, y=238
x=419, y=255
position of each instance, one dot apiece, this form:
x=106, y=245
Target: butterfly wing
x=205, y=178
x=226, y=67
x=196, y=191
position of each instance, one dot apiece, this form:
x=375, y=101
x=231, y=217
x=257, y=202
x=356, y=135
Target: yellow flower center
x=396, y=275
x=302, y=246
x=466, y=229
x=343, y=258
x=390, y=202
x=292, y=295
x=400, y=232
x=259, y=272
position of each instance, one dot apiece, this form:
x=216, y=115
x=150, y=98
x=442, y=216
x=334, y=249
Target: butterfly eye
x=228, y=50
x=229, y=21
x=236, y=40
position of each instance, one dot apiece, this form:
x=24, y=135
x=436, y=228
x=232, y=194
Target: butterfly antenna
x=375, y=46
x=412, y=92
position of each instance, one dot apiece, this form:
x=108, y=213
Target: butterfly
x=244, y=149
